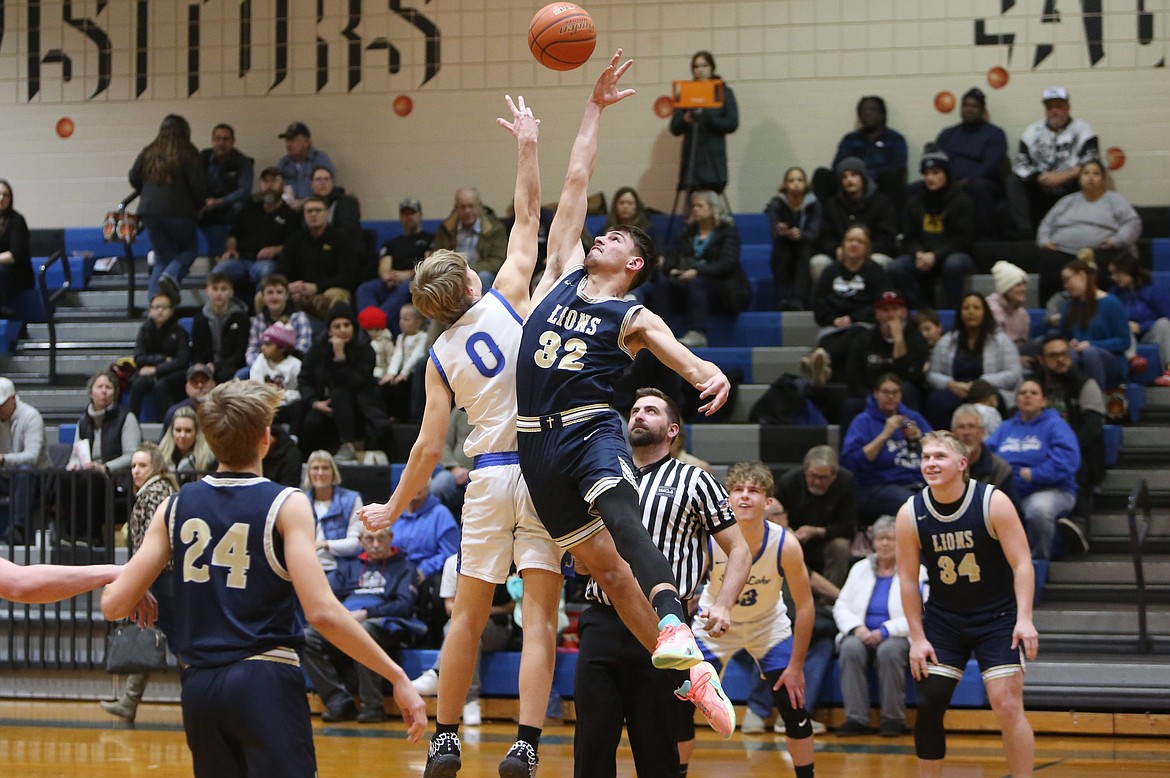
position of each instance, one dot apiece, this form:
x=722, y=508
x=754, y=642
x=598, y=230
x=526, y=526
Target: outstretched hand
x=606, y=91
x=524, y=125
x=717, y=387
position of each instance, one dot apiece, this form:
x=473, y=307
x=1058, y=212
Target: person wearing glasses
x=821, y=503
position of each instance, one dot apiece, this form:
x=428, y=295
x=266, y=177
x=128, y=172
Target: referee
x=683, y=507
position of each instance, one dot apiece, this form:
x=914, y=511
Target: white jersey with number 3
x=762, y=596
x=477, y=356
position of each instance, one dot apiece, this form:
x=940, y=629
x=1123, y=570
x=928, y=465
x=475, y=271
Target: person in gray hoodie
x=219, y=332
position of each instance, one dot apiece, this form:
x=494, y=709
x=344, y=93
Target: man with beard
x=259, y=231
x=978, y=152
x=822, y=511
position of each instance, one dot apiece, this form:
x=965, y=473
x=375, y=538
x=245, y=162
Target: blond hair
x=439, y=288
x=947, y=439
x=200, y=451
x=751, y=474
x=233, y=418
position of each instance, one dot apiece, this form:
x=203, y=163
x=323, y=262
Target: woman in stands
x=1146, y=305
x=1091, y=218
x=704, y=149
x=1043, y=452
x=171, y=179
x=628, y=210
x=335, y=509
x=183, y=446
x=1008, y=301
x=794, y=216
x=153, y=483
x=16, y=271
x=973, y=350
x=1096, y=326
x=843, y=300
x=703, y=270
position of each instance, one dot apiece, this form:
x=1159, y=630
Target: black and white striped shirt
x=682, y=506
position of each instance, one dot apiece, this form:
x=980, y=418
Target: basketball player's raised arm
x=795, y=571
x=329, y=617
x=129, y=593
x=1010, y=531
x=909, y=556
x=424, y=454
x=648, y=330
x=50, y=583
x=515, y=276
x=564, y=236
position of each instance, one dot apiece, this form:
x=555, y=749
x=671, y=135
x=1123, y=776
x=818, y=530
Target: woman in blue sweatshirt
x=1043, y=452
x=1147, y=306
x=1096, y=326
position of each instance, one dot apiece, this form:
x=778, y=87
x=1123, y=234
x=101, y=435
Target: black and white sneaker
x=443, y=757
x=1076, y=543
x=520, y=761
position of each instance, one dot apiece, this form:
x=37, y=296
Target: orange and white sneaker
x=705, y=691
x=676, y=648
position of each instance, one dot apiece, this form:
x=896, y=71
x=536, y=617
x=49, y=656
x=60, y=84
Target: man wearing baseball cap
x=978, y=153
x=298, y=164
x=1048, y=161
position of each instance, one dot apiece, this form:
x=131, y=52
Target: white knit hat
x=1007, y=275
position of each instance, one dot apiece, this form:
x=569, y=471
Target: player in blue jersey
x=243, y=548
x=581, y=334
x=473, y=364
x=971, y=540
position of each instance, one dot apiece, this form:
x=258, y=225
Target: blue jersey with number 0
x=573, y=348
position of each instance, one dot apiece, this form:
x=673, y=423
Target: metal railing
x=1138, y=512
x=49, y=299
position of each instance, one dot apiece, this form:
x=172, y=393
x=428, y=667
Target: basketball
x=562, y=36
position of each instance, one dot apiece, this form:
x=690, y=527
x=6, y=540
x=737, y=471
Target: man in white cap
x=22, y=447
x=1048, y=161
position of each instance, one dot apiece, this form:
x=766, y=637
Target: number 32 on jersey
x=550, y=353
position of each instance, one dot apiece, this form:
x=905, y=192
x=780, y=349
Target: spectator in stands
x=276, y=366
x=844, y=296
x=1048, y=162
x=410, y=348
x=183, y=447
x=299, y=162
x=858, y=202
x=152, y=484
x=978, y=153
x=703, y=271
x=938, y=238
x=890, y=347
x=1007, y=304
x=1080, y=402
x=200, y=382
x=1147, y=306
x=385, y=294
x=873, y=632
x=821, y=504
x=338, y=387
x=22, y=449
x=107, y=436
x=335, y=510
x=882, y=151
x=345, y=212
x=16, y=271
x=973, y=350
x=476, y=234
x=258, y=233
x=986, y=400
x=450, y=483
x=319, y=261
x=409, y=248
x=427, y=533
x=378, y=589
x=983, y=464
x=929, y=326
x=628, y=210
x=283, y=462
x=219, y=331
x=229, y=186
x=1096, y=326
x=794, y=218
x=276, y=306
x=162, y=352
x=882, y=449
x=173, y=185
x=1043, y=453
x=703, y=163
x=373, y=321
x=1094, y=217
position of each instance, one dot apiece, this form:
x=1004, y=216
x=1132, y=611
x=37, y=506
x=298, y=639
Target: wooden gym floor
x=41, y=739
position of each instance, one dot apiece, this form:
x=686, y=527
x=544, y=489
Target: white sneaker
x=427, y=684
x=752, y=723
x=471, y=714
x=694, y=339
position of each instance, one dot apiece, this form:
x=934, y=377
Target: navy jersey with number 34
x=572, y=348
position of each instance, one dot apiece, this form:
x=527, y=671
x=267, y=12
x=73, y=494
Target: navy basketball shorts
x=987, y=635
x=248, y=718
x=566, y=467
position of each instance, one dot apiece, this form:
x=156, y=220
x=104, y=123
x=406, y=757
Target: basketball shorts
x=568, y=464
x=768, y=641
x=988, y=635
x=500, y=526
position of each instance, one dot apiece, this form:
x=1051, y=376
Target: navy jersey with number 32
x=965, y=563
x=572, y=348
